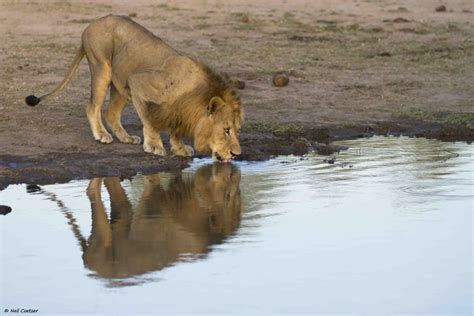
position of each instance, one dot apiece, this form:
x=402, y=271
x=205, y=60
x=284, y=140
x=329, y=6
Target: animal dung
x=245, y=18
x=280, y=79
x=441, y=8
x=234, y=82
x=239, y=84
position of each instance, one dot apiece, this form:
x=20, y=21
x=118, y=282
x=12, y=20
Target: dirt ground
x=356, y=68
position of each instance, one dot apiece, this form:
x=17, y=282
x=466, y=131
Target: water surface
x=385, y=228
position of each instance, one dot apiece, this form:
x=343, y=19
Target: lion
x=170, y=91
x=175, y=216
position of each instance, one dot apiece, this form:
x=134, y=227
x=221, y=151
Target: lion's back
x=125, y=45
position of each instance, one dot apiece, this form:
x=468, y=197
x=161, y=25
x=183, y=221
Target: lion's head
x=220, y=131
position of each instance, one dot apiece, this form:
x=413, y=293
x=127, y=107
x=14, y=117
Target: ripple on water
x=407, y=160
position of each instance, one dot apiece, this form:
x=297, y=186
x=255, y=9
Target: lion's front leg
x=179, y=148
x=142, y=90
x=152, y=142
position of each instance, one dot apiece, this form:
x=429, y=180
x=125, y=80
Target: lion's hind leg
x=179, y=148
x=101, y=78
x=114, y=113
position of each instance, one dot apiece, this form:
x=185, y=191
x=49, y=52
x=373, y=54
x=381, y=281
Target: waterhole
x=384, y=227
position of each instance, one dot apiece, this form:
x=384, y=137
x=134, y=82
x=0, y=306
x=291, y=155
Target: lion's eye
x=227, y=131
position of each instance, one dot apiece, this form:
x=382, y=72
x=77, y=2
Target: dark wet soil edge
x=256, y=146
x=64, y=167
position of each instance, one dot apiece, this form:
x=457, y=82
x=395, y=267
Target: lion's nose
x=235, y=150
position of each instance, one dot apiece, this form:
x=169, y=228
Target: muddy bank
x=59, y=167
x=300, y=139
x=64, y=167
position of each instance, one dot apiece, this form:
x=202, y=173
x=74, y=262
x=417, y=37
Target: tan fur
x=174, y=216
x=169, y=91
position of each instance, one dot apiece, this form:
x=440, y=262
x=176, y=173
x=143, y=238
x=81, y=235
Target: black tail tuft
x=31, y=100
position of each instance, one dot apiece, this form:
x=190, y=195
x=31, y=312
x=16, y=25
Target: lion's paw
x=104, y=138
x=134, y=140
x=154, y=149
x=185, y=151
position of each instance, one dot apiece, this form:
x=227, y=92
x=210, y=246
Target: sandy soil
x=356, y=68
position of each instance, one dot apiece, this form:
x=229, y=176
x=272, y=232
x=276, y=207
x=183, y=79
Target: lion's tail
x=32, y=100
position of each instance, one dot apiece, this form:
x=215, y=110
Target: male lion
x=170, y=91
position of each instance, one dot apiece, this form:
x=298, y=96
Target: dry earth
x=356, y=68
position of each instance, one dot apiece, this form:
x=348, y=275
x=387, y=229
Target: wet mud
x=256, y=146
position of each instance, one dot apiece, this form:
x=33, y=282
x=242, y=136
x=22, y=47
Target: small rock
x=132, y=15
x=384, y=54
x=280, y=79
x=400, y=20
x=32, y=188
x=330, y=161
x=4, y=210
x=441, y=8
x=301, y=38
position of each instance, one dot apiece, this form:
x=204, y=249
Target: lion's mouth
x=220, y=159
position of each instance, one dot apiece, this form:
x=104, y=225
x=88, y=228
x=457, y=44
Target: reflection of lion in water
x=185, y=217
x=169, y=91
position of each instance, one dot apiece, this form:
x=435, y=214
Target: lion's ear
x=214, y=105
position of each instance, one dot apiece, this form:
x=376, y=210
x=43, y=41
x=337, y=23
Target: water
x=386, y=229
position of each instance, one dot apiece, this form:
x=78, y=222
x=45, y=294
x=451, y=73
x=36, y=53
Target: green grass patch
x=456, y=118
